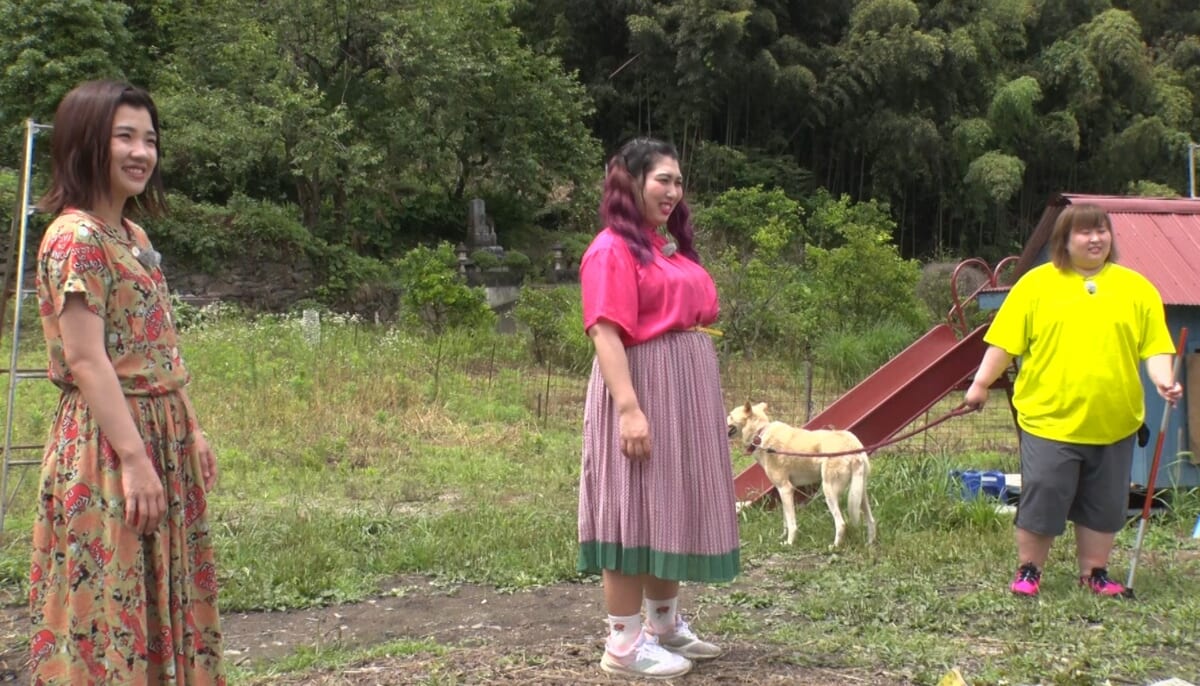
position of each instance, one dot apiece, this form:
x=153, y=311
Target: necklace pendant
x=669, y=247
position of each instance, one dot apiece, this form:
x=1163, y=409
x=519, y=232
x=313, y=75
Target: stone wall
x=272, y=283
x=254, y=282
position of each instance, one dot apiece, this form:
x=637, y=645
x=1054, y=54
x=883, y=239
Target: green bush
x=574, y=244
x=434, y=297
x=201, y=235
x=9, y=180
x=195, y=235
x=933, y=288
x=1150, y=189
x=517, y=262
x=349, y=280
x=753, y=241
x=857, y=270
x=554, y=317
x=485, y=260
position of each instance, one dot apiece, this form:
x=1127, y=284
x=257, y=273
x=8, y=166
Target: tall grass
x=849, y=356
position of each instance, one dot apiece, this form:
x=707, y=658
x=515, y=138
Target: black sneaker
x=1099, y=583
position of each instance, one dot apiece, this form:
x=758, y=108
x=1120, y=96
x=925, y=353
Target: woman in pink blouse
x=122, y=585
x=656, y=500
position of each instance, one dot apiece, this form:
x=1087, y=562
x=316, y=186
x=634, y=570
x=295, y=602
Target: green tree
x=49, y=47
x=554, y=319
x=475, y=108
x=858, y=274
x=376, y=120
x=754, y=239
x=434, y=296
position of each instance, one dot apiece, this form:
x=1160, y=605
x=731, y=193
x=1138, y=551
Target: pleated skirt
x=109, y=605
x=672, y=516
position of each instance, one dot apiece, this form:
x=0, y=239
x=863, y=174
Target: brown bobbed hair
x=80, y=149
x=619, y=209
x=1084, y=216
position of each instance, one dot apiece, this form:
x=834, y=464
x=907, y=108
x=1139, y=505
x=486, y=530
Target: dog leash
x=962, y=409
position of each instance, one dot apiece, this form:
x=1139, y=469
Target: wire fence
x=793, y=397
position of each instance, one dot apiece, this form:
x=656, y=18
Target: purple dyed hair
x=623, y=185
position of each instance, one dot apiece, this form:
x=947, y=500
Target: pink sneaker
x=1029, y=577
x=1099, y=583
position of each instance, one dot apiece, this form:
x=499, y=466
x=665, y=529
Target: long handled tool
x=1158, y=446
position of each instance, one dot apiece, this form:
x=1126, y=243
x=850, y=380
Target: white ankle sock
x=623, y=633
x=660, y=615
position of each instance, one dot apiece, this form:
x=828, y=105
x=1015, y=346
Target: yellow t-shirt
x=1080, y=341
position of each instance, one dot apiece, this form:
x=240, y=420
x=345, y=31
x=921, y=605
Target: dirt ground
x=548, y=635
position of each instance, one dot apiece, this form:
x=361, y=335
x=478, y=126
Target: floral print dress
x=109, y=605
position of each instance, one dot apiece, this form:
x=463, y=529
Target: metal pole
x=1176, y=366
x=31, y=129
x=1192, y=170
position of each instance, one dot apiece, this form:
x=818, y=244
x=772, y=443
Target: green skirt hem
x=596, y=556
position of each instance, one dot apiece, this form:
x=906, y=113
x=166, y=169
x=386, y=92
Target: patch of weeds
x=756, y=601
x=307, y=658
x=735, y=623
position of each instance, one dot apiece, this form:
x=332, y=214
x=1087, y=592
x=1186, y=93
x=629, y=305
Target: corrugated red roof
x=1157, y=237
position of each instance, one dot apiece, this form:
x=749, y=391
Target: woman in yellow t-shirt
x=1080, y=325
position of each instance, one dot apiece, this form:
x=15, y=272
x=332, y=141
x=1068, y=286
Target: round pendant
x=668, y=249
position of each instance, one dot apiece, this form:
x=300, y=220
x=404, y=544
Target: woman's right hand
x=145, y=501
x=977, y=396
x=635, y=434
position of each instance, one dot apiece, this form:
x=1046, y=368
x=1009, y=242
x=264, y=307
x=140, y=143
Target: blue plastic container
x=989, y=483
x=970, y=479
x=992, y=484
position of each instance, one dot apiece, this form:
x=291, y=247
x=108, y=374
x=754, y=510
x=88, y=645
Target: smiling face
x=1089, y=247
x=662, y=189
x=133, y=153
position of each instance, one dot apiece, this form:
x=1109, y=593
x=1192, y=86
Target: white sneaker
x=647, y=660
x=684, y=642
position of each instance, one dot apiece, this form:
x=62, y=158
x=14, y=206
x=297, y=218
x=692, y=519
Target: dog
x=837, y=475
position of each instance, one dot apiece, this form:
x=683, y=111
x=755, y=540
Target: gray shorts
x=1087, y=484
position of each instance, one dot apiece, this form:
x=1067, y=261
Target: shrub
x=857, y=270
x=9, y=180
x=754, y=239
x=517, y=262
x=933, y=288
x=433, y=295
x=554, y=317
x=346, y=275
x=485, y=260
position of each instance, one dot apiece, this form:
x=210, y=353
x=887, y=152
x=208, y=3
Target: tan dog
x=836, y=475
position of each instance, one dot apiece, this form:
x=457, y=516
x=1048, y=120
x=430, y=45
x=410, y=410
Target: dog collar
x=756, y=442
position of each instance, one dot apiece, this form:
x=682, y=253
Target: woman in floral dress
x=122, y=584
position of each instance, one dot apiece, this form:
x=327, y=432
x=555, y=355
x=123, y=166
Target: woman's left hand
x=208, y=462
x=1171, y=392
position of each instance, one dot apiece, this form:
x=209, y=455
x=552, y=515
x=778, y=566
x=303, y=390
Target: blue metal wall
x=1173, y=470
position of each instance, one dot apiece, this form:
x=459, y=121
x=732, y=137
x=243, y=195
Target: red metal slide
x=892, y=397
